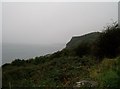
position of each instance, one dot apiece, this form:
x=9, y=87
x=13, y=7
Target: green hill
x=87, y=38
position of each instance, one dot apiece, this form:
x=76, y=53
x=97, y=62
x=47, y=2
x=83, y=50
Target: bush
x=39, y=60
x=109, y=79
x=82, y=49
x=109, y=42
x=18, y=62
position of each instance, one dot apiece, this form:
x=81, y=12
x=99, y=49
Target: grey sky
x=54, y=22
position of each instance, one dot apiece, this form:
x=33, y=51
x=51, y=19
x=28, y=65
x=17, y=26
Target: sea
x=10, y=52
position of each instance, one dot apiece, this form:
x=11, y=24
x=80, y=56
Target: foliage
x=18, y=62
x=109, y=79
x=107, y=73
x=109, y=42
x=82, y=49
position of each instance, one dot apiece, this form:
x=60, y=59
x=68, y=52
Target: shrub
x=82, y=49
x=109, y=79
x=109, y=42
x=18, y=62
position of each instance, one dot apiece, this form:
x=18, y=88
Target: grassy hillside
x=70, y=67
x=63, y=72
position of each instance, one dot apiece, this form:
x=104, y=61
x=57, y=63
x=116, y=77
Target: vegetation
x=88, y=38
x=109, y=42
x=92, y=57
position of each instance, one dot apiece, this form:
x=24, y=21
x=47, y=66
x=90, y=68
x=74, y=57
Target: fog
x=54, y=22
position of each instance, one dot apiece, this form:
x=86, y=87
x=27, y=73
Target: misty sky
x=54, y=22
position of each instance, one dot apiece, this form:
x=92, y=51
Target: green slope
x=87, y=38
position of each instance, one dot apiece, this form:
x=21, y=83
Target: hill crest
x=87, y=38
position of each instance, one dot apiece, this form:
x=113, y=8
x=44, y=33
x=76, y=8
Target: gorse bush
x=82, y=49
x=18, y=62
x=108, y=43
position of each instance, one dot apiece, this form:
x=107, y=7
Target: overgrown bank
x=95, y=59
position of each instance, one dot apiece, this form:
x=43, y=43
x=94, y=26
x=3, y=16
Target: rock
x=86, y=83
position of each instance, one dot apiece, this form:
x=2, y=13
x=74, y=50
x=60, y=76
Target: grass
x=63, y=72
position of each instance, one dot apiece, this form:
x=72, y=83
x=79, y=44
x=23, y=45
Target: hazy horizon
x=27, y=51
